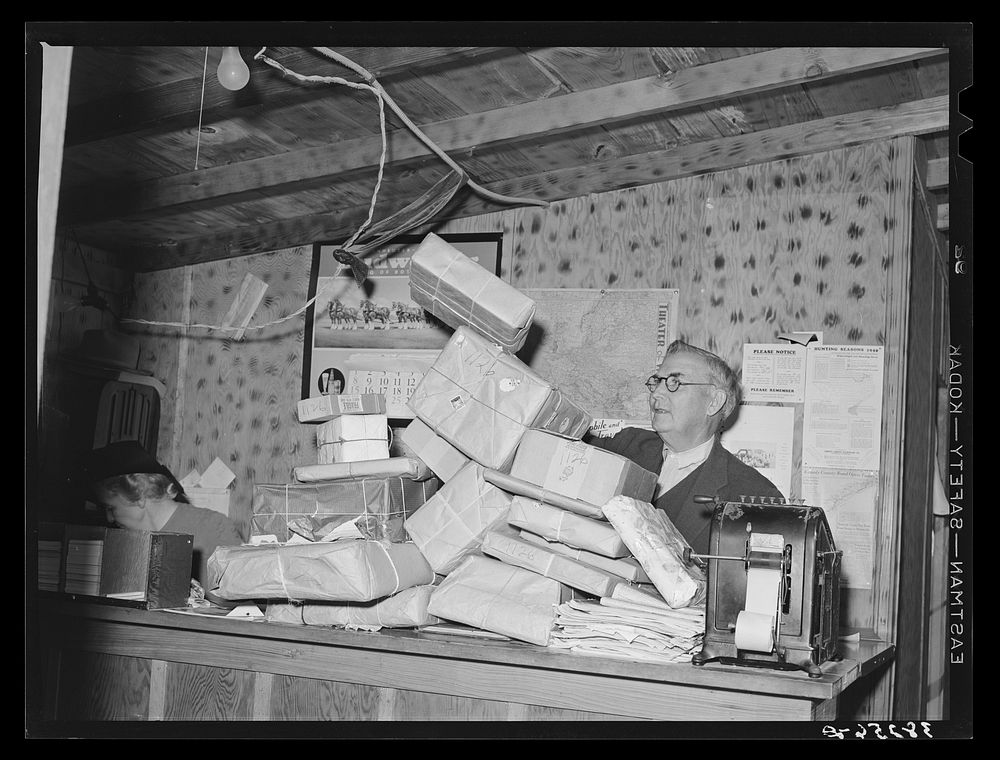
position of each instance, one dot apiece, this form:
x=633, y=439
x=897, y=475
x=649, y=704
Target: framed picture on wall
x=375, y=338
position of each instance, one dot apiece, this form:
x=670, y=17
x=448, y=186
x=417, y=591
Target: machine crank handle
x=689, y=555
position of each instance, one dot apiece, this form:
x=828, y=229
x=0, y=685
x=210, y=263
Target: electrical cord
x=372, y=85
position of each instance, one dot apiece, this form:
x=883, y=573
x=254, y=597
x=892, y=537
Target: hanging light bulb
x=233, y=72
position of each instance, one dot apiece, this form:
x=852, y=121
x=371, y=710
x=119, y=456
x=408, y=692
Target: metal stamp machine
x=773, y=595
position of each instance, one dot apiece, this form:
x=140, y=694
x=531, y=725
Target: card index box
x=139, y=568
x=158, y=564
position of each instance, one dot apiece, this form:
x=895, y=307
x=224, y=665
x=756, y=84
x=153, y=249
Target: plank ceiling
x=285, y=162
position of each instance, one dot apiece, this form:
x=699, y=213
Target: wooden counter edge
x=862, y=657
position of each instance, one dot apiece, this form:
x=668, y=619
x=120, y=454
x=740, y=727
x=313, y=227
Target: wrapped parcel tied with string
x=482, y=400
x=572, y=474
x=451, y=524
x=336, y=571
x=393, y=467
x=352, y=438
x=375, y=505
x=460, y=291
x=660, y=548
x=494, y=596
x=507, y=545
x=404, y=609
x=558, y=524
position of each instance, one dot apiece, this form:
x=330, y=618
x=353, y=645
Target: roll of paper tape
x=762, y=590
x=755, y=631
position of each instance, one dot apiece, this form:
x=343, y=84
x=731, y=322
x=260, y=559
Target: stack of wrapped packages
x=528, y=533
x=329, y=547
x=518, y=535
x=664, y=627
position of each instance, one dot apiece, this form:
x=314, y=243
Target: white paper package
x=459, y=291
x=404, y=609
x=489, y=594
x=481, y=400
x=451, y=524
x=567, y=527
x=660, y=549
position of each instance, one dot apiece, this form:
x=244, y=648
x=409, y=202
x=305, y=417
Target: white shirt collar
x=693, y=456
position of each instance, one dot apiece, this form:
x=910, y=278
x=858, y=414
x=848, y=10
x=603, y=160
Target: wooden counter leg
x=157, y=689
x=262, y=695
x=825, y=710
x=386, y=703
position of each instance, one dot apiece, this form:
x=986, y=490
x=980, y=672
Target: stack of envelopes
x=617, y=628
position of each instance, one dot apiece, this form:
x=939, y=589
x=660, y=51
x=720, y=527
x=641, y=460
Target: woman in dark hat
x=139, y=493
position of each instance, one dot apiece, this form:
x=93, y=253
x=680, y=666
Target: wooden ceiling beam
x=922, y=117
x=917, y=118
x=699, y=85
x=176, y=105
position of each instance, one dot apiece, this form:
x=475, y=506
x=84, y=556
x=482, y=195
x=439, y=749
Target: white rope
x=382, y=97
x=281, y=577
x=235, y=328
x=371, y=207
x=201, y=110
x=420, y=135
x=379, y=96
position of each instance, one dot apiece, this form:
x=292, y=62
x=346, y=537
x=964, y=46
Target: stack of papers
x=83, y=567
x=619, y=628
x=49, y=558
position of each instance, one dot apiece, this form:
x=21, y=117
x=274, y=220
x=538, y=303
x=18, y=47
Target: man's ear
x=718, y=402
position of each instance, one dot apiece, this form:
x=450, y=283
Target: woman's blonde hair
x=138, y=486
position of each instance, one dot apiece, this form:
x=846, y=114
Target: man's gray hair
x=720, y=373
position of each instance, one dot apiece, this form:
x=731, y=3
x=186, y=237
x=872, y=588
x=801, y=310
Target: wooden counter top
x=258, y=645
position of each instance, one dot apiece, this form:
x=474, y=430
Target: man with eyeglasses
x=690, y=397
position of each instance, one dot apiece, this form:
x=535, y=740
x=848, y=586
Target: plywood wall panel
x=103, y=687
x=247, y=390
x=161, y=297
x=295, y=698
x=73, y=268
x=416, y=705
x=787, y=245
x=196, y=692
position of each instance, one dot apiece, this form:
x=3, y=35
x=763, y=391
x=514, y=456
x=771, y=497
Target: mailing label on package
x=509, y=384
x=568, y=468
x=351, y=404
x=457, y=402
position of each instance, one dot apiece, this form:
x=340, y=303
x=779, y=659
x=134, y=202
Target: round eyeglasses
x=671, y=381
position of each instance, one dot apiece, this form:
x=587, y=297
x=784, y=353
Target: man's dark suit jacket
x=722, y=476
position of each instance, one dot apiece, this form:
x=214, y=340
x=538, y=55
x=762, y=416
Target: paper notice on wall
x=802, y=338
x=605, y=428
x=848, y=498
x=842, y=420
x=774, y=372
x=762, y=438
